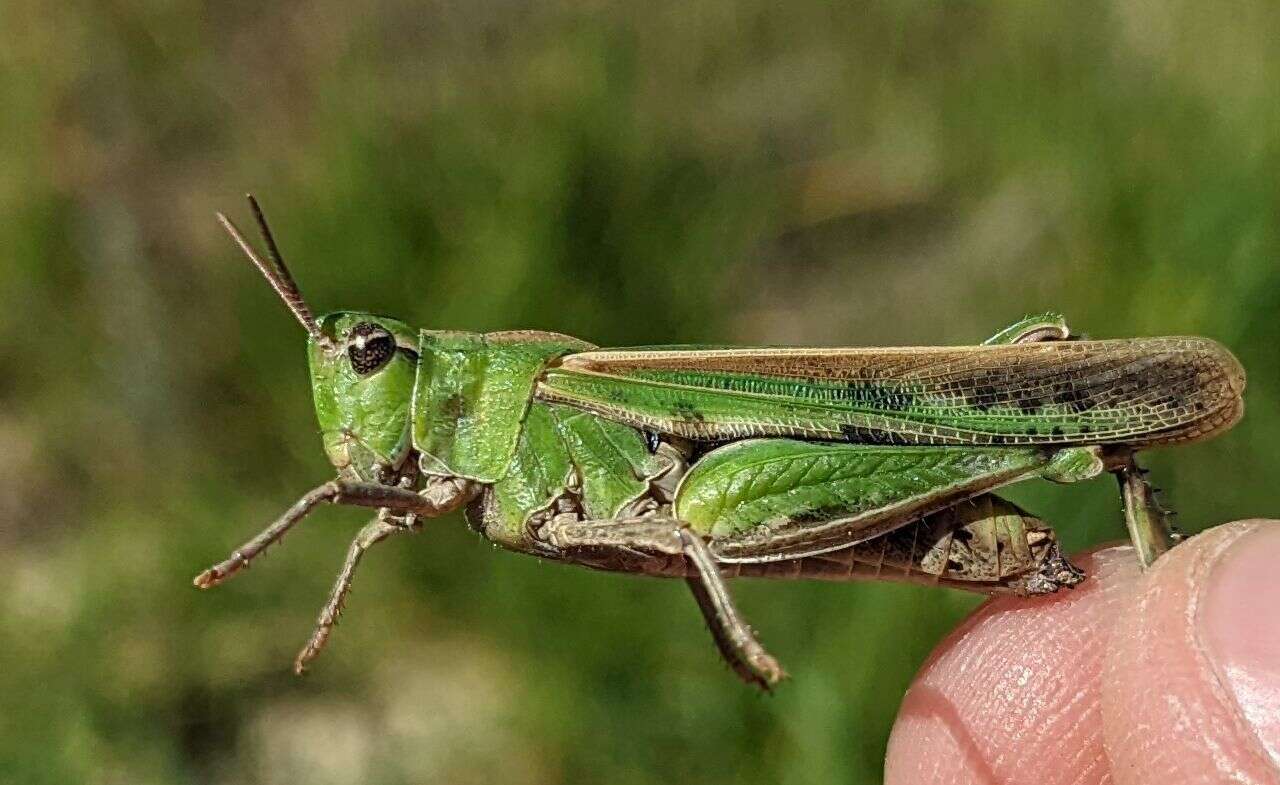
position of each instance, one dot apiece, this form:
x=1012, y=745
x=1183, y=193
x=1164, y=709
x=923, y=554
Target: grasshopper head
x=362, y=370
x=362, y=375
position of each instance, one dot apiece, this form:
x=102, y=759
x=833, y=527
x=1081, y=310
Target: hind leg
x=1149, y=526
x=1045, y=327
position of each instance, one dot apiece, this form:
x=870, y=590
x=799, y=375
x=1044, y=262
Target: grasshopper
x=707, y=463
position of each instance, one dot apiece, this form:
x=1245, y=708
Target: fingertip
x=1012, y=694
x=1191, y=682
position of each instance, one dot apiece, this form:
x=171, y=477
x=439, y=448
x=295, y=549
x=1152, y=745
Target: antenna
x=275, y=271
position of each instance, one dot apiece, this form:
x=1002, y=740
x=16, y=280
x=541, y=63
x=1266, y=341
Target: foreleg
x=442, y=495
x=373, y=532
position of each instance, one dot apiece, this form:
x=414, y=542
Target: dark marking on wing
x=861, y=435
x=688, y=411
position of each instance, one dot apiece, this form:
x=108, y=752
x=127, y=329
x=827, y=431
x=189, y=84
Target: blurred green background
x=748, y=172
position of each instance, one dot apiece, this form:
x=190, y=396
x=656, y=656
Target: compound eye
x=369, y=348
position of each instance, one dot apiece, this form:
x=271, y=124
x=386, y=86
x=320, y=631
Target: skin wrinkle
x=932, y=704
x=1082, y=761
x=1089, y=773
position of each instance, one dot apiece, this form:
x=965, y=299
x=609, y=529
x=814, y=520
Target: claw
x=767, y=671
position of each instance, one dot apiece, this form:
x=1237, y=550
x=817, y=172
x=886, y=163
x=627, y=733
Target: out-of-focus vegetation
x=747, y=172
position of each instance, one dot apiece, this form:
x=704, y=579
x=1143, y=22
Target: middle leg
x=646, y=544
x=441, y=495
x=374, y=532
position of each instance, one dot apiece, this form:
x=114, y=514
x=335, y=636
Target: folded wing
x=1137, y=391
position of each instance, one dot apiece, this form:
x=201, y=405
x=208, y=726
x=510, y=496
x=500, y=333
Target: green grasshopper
x=705, y=463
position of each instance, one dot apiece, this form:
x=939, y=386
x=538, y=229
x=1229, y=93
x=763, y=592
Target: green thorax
x=472, y=396
x=474, y=416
